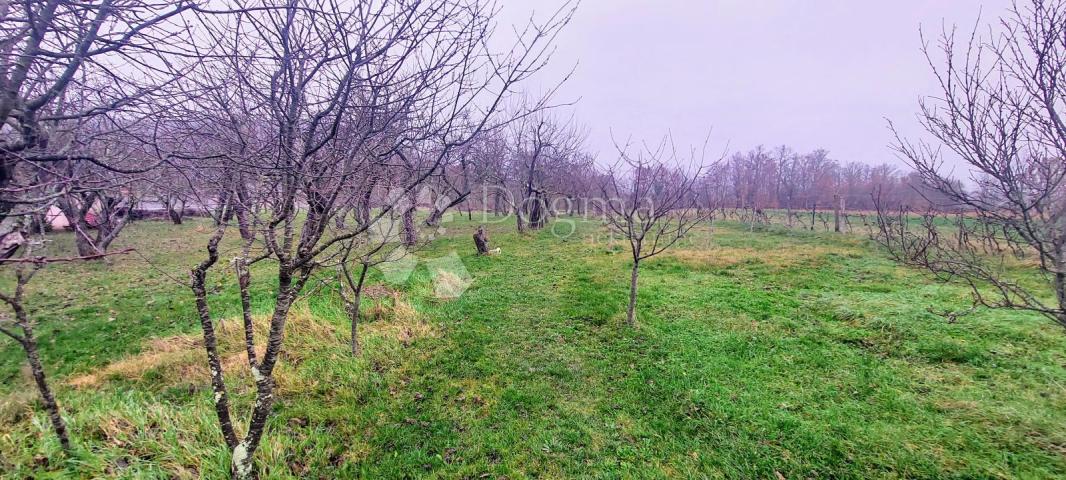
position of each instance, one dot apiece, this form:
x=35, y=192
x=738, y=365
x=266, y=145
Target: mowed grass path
x=759, y=355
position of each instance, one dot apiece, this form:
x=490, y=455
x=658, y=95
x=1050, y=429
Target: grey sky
x=809, y=74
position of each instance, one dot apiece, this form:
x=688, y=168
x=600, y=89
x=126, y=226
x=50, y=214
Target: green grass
x=758, y=354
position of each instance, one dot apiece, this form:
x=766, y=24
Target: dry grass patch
x=376, y=292
x=396, y=319
x=174, y=355
x=17, y=405
x=180, y=359
x=722, y=257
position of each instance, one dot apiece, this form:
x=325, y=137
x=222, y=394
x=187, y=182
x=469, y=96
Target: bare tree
x=98, y=203
x=28, y=341
x=749, y=184
x=1000, y=111
x=65, y=64
x=74, y=78
x=169, y=189
x=382, y=244
x=649, y=199
x=306, y=100
x=25, y=268
x=542, y=147
x=454, y=184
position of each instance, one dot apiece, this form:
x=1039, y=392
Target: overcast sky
x=809, y=74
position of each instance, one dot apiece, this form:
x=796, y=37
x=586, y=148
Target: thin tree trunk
x=340, y=219
x=221, y=208
x=176, y=210
x=362, y=209
x=243, y=456
x=175, y=216
x=28, y=341
x=497, y=203
x=218, y=385
x=438, y=211
x=631, y=313
x=520, y=221
x=837, y=201
x=1060, y=292
x=75, y=214
x=536, y=216
x=353, y=311
x=788, y=211
x=29, y=344
x=410, y=232
x=83, y=243
x=244, y=280
x=434, y=218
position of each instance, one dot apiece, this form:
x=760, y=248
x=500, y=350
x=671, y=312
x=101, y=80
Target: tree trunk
x=221, y=208
x=631, y=313
x=520, y=221
x=363, y=212
x=438, y=210
x=76, y=220
x=536, y=215
x=1060, y=293
x=29, y=344
x=176, y=214
x=107, y=224
x=341, y=217
x=410, y=231
x=243, y=458
x=837, y=202
x=108, y=231
x=83, y=243
x=353, y=311
x=481, y=241
x=362, y=208
x=497, y=203
x=434, y=217
x=218, y=385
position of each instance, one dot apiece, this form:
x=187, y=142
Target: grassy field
x=766, y=354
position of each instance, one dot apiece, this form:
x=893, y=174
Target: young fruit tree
x=362, y=253
x=78, y=84
x=382, y=242
x=304, y=105
x=33, y=258
x=1001, y=113
x=650, y=200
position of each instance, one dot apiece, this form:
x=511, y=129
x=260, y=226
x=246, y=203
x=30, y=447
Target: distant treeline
x=782, y=178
